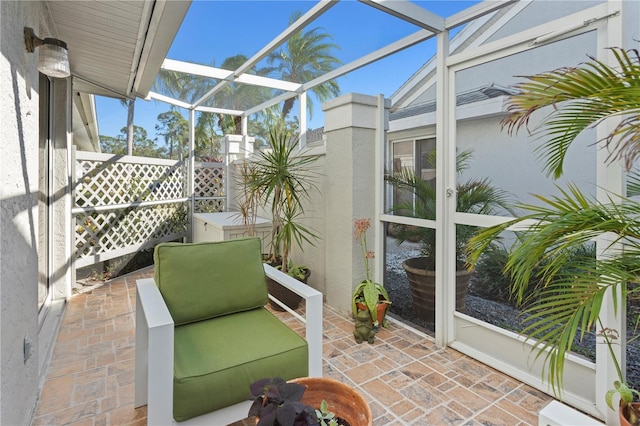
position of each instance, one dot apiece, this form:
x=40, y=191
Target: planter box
x=228, y=226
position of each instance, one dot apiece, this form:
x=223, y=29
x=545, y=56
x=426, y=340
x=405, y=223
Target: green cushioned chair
x=212, y=297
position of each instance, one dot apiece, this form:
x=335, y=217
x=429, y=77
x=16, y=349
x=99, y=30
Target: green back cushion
x=205, y=280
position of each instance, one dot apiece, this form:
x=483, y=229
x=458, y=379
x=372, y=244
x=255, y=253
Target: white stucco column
x=350, y=129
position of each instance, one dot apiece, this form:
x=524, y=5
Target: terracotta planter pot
x=423, y=288
x=344, y=401
x=381, y=310
x=624, y=414
x=288, y=297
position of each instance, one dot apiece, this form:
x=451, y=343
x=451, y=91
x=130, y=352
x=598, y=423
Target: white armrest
x=313, y=318
x=154, y=354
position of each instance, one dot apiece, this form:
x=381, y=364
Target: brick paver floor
x=404, y=376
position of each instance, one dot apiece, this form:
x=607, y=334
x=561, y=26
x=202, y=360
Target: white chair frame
x=154, y=350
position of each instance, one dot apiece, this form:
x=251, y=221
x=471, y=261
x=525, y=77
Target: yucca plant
x=283, y=180
x=568, y=302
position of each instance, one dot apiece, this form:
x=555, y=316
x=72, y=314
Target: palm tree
x=568, y=303
x=232, y=96
x=306, y=56
x=237, y=96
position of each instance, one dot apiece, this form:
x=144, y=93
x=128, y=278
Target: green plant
x=296, y=271
x=568, y=302
x=473, y=196
x=247, y=201
x=326, y=417
x=492, y=282
x=367, y=292
x=282, y=178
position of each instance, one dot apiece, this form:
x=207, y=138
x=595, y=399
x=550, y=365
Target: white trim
x=167, y=99
x=222, y=74
x=221, y=111
x=409, y=12
x=117, y=158
x=520, y=42
x=112, y=254
x=475, y=12
x=510, y=353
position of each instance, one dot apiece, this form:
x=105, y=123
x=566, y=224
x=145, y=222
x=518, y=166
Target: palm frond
x=570, y=289
x=581, y=98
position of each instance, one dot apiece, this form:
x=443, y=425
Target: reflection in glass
x=404, y=304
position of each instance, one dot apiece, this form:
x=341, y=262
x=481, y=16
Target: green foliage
x=369, y=293
x=326, y=417
x=175, y=130
x=569, y=301
x=142, y=145
x=283, y=179
x=473, y=196
x=582, y=97
x=307, y=55
x=490, y=280
x=572, y=288
x=296, y=271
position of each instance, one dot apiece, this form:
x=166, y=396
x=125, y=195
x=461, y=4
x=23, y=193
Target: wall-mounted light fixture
x=54, y=58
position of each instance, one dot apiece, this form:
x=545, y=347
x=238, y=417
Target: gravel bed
x=499, y=314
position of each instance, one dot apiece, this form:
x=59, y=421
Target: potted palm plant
x=473, y=196
x=282, y=178
x=567, y=304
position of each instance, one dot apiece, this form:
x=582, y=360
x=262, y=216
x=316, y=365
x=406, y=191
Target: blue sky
x=214, y=30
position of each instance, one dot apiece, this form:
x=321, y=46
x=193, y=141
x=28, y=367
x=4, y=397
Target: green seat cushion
x=204, y=280
x=216, y=360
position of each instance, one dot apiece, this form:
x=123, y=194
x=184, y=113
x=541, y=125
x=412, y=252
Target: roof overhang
x=116, y=47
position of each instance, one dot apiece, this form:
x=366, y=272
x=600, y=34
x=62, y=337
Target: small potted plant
x=369, y=295
x=307, y=401
x=276, y=402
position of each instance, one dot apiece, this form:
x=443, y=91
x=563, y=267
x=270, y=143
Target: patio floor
x=405, y=378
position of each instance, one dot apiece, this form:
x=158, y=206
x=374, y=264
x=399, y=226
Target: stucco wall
x=19, y=171
x=350, y=127
x=345, y=192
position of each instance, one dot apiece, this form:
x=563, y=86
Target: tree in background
x=306, y=56
x=175, y=129
x=142, y=145
x=237, y=96
x=208, y=146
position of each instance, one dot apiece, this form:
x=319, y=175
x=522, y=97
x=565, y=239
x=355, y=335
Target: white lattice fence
x=209, y=187
x=123, y=204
